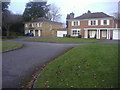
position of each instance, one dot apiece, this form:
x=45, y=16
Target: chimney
x=71, y=15
x=68, y=16
x=89, y=11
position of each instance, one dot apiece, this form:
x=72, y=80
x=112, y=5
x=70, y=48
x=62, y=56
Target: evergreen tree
x=34, y=10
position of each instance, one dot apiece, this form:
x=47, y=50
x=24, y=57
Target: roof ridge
x=92, y=15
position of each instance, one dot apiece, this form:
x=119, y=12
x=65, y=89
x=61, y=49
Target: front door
x=36, y=33
x=92, y=34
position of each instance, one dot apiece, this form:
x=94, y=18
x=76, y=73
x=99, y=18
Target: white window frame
x=91, y=22
x=78, y=23
x=50, y=27
x=108, y=22
x=40, y=24
x=78, y=31
x=32, y=24
x=104, y=34
x=26, y=25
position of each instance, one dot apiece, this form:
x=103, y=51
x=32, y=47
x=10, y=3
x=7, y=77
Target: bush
x=67, y=35
x=64, y=35
x=79, y=36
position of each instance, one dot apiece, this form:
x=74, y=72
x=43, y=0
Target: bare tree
x=54, y=13
x=9, y=19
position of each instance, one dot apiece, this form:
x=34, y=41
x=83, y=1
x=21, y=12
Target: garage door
x=61, y=33
x=116, y=34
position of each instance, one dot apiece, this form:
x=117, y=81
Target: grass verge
x=6, y=46
x=85, y=66
x=64, y=40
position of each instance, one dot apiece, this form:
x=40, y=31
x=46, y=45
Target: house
x=43, y=27
x=93, y=25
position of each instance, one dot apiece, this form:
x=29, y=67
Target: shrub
x=79, y=36
x=67, y=35
x=64, y=35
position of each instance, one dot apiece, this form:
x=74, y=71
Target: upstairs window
x=93, y=22
x=40, y=24
x=105, y=22
x=50, y=27
x=26, y=25
x=75, y=23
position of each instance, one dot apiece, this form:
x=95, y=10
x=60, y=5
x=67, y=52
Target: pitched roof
x=42, y=19
x=93, y=15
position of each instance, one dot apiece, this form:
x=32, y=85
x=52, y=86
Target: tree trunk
x=8, y=31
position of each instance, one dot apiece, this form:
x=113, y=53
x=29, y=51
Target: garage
x=116, y=34
x=61, y=33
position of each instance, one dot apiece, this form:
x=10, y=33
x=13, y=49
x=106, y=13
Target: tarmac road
x=19, y=65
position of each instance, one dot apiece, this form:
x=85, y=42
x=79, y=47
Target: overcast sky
x=77, y=6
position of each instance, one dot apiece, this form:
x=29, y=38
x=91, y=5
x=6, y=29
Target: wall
x=48, y=28
x=84, y=24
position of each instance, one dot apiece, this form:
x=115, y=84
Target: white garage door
x=61, y=33
x=116, y=34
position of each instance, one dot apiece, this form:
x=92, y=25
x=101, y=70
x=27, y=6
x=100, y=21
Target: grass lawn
x=10, y=45
x=12, y=37
x=63, y=40
x=86, y=66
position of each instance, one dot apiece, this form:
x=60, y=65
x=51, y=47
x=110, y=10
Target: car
x=29, y=34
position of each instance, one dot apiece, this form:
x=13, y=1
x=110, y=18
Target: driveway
x=19, y=65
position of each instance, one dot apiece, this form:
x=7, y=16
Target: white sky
x=77, y=6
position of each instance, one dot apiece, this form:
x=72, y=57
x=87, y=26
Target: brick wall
x=84, y=24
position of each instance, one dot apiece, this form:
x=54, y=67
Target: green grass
x=12, y=37
x=86, y=66
x=10, y=45
x=63, y=40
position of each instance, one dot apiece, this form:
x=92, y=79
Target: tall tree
x=5, y=6
x=53, y=13
x=34, y=10
x=5, y=16
x=9, y=20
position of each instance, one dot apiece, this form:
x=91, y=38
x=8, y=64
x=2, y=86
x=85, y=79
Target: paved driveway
x=19, y=65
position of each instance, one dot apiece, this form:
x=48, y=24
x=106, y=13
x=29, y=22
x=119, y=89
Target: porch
x=97, y=33
x=35, y=32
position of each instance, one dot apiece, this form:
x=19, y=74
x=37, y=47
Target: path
x=19, y=65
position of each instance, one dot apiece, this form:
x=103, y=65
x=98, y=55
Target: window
x=40, y=24
x=30, y=24
x=104, y=33
x=105, y=22
x=75, y=23
x=26, y=25
x=75, y=32
x=93, y=22
x=50, y=27
x=33, y=25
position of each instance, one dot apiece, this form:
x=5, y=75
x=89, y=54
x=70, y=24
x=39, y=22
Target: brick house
x=43, y=27
x=96, y=25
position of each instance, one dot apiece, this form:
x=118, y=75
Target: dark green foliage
x=79, y=36
x=5, y=6
x=34, y=10
x=67, y=35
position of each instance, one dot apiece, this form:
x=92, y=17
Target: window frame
x=26, y=25
x=104, y=34
x=107, y=22
x=75, y=23
x=93, y=22
x=75, y=32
